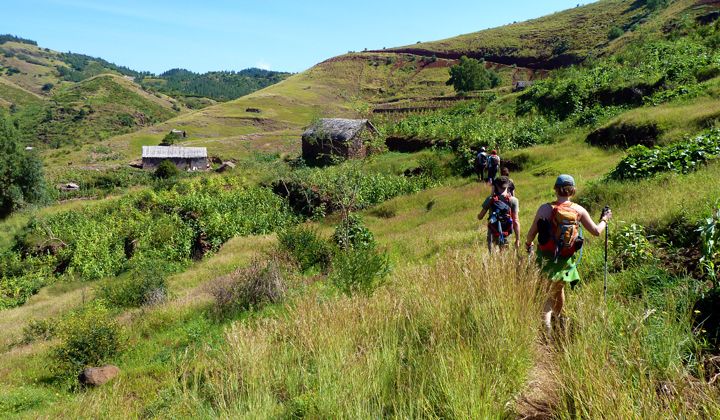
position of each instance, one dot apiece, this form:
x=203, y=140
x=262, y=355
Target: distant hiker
x=492, y=166
x=558, y=227
x=503, y=220
x=481, y=161
x=506, y=172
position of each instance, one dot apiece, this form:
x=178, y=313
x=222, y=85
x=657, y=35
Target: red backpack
x=562, y=235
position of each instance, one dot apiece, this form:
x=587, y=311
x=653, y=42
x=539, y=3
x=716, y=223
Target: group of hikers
x=558, y=227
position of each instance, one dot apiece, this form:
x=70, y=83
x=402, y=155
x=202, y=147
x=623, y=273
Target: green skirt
x=562, y=269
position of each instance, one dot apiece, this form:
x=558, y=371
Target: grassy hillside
x=356, y=83
x=216, y=297
x=563, y=38
x=91, y=111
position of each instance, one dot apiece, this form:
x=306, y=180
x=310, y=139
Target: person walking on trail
x=506, y=172
x=558, y=226
x=493, y=165
x=481, y=161
x=503, y=220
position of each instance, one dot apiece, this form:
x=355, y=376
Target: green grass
x=454, y=332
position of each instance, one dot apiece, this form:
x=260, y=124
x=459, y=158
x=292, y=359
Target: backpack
x=561, y=236
x=482, y=159
x=493, y=162
x=500, y=222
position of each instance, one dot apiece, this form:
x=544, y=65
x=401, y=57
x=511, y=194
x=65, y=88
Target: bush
x=632, y=247
x=260, y=283
x=307, y=248
x=431, y=166
x=39, y=329
x=351, y=233
x=144, y=285
x=88, y=337
x=166, y=170
x=359, y=270
x=615, y=33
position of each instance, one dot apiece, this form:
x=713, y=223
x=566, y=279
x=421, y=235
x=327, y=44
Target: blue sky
x=289, y=35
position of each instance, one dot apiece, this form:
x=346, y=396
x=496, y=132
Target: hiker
x=481, y=161
x=493, y=165
x=503, y=220
x=558, y=227
x=506, y=172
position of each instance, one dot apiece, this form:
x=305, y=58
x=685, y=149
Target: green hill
x=356, y=83
x=253, y=293
x=92, y=110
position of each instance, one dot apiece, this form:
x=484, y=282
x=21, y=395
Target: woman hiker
x=504, y=218
x=557, y=226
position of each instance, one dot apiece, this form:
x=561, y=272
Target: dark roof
x=168, y=152
x=337, y=129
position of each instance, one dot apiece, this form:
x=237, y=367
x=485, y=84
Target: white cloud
x=262, y=64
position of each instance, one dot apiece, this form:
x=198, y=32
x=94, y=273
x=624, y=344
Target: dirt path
x=540, y=396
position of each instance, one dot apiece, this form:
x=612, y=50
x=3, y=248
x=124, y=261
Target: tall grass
x=455, y=340
x=634, y=361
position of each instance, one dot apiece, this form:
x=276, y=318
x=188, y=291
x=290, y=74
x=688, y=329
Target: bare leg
x=553, y=304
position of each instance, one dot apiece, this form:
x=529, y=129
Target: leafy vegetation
x=682, y=157
x=316, y=192
x=653, y=72
x=471, y=74
x=21, y=172
x=178, y=224
x=166, y=170
x=88, y=337
x=307, y=248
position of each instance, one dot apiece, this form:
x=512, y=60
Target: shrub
x=166, y=170
x=709, y=231
x=360, y=269
x=615, y=33
x=632, y=247
x=144, y=285
x=432, y=167
x=88, y=337
x=351, y=233
x=260, y=283
x=307, y=248
x=39, y=329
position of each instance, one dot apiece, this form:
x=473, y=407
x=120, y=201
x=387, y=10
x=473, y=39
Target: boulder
x=96, y=376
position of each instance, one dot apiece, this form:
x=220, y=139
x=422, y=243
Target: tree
x=21, y=174
x=471, y=74
x=166, y=170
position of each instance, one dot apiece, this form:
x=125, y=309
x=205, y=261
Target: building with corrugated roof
x=184, y=158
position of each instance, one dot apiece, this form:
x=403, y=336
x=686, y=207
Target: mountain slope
x=354, y=84
x=94, y=109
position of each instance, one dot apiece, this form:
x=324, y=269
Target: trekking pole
x=607, y=233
